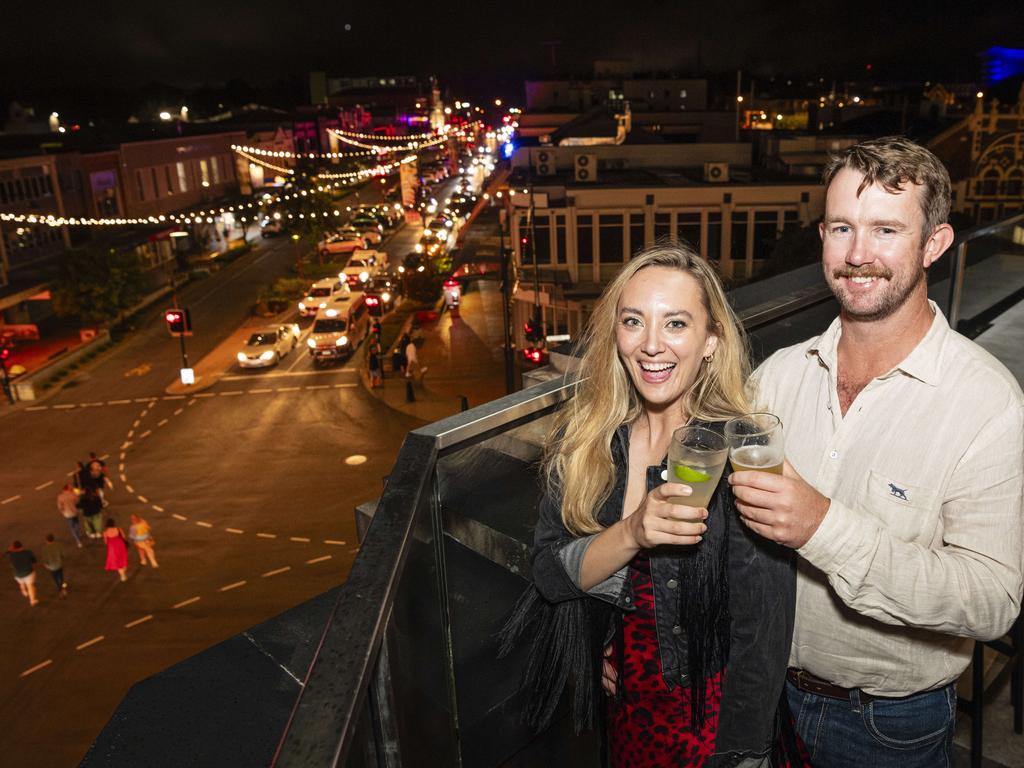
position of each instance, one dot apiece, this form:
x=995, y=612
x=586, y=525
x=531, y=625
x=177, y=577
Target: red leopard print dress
x=650, y=725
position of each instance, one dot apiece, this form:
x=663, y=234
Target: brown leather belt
x=808, y=683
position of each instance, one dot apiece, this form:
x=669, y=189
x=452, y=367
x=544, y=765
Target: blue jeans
x=911, y=732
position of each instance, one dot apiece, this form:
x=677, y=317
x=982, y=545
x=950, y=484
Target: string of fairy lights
x=256, y=155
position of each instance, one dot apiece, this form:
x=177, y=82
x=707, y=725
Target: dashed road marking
x=120, y=467
x=144, y=399
x=281, y=374
x=63, y=407
x=127, y=444
x=90, y=405
x=178, y=412
x=192, y=401
x=87, y=643
x=36, y=408
x=345, y=386
x=183, y=603
x=353, y=551
x=44, y=485
x=129, y=488
x=232, y=393
x=205, y=394
x=319, y=559
x=204, y=524
x=9, y=499
x=131, y=432
x=176, y=516
x=234, y=530
x=162, y=422
x=118, y=402
x=124, y=478
x=158, y=508
x=143, y=499
x=319, y=386
x=334, y=541
x=145, y=434
x=288, y=389
x=236, y=585
x=136, y=623
x=266, y=535
x=301, y=539
x=174, y=397
x=36, y=668
x=259, y=391
x=136, y=423
x=275, y=572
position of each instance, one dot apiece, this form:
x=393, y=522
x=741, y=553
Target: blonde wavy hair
x=578, y=463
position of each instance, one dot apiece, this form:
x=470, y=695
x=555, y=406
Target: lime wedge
x=688, y=475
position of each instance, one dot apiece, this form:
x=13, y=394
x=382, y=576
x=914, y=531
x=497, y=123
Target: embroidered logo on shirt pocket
x=906, y=510
x=898, y=491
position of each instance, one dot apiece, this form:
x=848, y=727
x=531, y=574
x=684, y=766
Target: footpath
x=462, y=357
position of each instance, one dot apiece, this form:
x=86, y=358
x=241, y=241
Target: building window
x=688, y=228
x=636, y=234
x=139, y=187
x=682, y=93
x=662, y=226
x=204, y=172
x=790, y=221
x=739, y=235
x=19, y=189
x=610, y=238
x=48, y=185
x=561, y=255
x=3, y=192
x=170, y=182
x=766, y=232
x=585, y=239
x=1013, y=185
x=156, y=184
x=182, y=177
x=215, y=165
x=33, y=183
x=542, y=238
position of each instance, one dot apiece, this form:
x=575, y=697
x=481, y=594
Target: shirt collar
x=923, y=362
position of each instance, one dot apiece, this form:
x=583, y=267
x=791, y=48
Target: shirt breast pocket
x=905, y=509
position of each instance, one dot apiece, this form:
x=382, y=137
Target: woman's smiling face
x=662, y=334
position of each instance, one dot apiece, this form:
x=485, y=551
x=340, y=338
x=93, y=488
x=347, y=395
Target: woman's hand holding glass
x=658, y=521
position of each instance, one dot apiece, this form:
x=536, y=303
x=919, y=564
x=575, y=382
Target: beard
x=889, y=298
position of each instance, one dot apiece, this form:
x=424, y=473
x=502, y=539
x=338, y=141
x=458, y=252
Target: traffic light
x=5, y=355
x=533, y=329
x=179, y=322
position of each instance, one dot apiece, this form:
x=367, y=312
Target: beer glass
x=755, y=443
x=696, y=457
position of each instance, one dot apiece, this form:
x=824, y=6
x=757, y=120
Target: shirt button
x=833, y=454
x=677, y=630
x=672, y=584
x=629, y=599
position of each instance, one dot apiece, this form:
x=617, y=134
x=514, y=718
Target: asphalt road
x=249, y=485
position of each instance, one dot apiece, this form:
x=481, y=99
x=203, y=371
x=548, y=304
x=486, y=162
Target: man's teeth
x=862, y=280
x=657, y=367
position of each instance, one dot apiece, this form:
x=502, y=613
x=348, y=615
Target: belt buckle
x=800, y=680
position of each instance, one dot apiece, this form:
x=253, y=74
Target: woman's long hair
x=579, y=464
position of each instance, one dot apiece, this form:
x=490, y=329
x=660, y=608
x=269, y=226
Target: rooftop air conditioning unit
x=544, y=162
x=586, y=167
x=716, y=171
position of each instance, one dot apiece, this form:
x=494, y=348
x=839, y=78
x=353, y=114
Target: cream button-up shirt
x=921, y=548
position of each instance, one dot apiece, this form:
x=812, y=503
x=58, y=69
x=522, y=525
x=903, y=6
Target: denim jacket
x=762, y=588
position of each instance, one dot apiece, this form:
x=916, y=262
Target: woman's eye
x=631, y=321
x=676, y=323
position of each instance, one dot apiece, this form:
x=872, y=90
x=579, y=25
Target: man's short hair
x=894, y=161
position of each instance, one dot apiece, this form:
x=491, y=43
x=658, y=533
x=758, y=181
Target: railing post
x=382, y=712
x=956, y=284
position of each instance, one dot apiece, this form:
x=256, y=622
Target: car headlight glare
x=364, y=276
x=241, y=357
x=342, y=341
x=323, y=304
x=268, y=355
x=311, y=343
x=302, y=306
x=385, y=297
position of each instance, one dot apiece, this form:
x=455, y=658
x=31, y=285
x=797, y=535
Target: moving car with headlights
x=338, y=329
x=363, y=265
x=381, y=292
x=341, y=243
x=266, y=347
x=320, y=294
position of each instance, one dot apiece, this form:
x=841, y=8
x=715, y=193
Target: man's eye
x=887, y=230
x=842, y=229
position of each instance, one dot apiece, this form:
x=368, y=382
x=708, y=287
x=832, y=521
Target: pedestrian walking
x=92, y=511
x=98, y=477
x=67, y=505
x=141, y=536
x=53, y=561
x=400, y=354
x=23, y=561
x=373, y=365
x=117, y=549
x=412, y=362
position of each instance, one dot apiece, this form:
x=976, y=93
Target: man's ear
x=937, y=244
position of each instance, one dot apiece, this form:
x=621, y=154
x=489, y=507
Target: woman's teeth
x=656, y=367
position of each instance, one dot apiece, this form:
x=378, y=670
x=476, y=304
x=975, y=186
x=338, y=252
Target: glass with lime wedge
x=696, y=457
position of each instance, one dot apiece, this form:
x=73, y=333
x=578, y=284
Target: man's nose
x=860, y=252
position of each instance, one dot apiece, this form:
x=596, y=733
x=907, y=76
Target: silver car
x=267, y=346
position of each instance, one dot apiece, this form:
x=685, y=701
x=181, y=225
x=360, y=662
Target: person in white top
x=903, y=481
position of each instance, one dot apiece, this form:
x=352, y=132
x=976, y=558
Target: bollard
x=463, y=403
x=410, y=396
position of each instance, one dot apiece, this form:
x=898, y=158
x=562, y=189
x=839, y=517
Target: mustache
x=873, y=271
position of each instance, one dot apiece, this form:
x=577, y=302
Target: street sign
x=188, y=376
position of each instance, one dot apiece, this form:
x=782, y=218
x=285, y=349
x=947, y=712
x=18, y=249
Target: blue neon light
x=1003, y=63
x=507, y=150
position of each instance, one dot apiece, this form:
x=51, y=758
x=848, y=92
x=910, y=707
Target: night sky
x=189, y=43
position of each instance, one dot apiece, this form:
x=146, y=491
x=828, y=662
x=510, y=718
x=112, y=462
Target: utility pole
x=506, y=305
x=739, y=100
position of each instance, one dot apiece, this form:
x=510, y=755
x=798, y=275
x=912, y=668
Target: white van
x=339, y=328
x=320, y=295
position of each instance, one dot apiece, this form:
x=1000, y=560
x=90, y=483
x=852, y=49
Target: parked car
x=341, y=243
x=320, y=294
x=271, y=226
x=266, y=347
x=369, y=228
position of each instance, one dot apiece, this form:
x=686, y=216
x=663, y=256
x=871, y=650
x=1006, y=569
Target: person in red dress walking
x=117, y=549
x=679, y=615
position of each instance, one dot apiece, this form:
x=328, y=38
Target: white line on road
x=192, y=401
x=127, y=444
x=44, y=485
x=136, y=623
x=36, y=408
x=288, y=389
x=63, y=407
x=104, y=457
x=129, y=489
x=302, y=539
x=334, y=541
x=36, y=668
x=259, y=391
x=266, y=535
x=174, y=397
x=120, y=467
x=124, y=478
x=118, y=402
x=145, y=434
x=232, y=393
x=90, y=405
x=158, y=508
x=282, y=374
x=274, y=573
x=183, y=603
x=176, y=516
x=319, y=559
x=87, y=643
x=204, y=524
x=143, y=499
x=205, y=394
x=131, y=432
x=178, y=412
x=234, y=530
x=144, y=399
x=318, y=386
x=10, y=499
x=345, y=386
x=236, y=585
x=162, y=422
x=136, y=423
